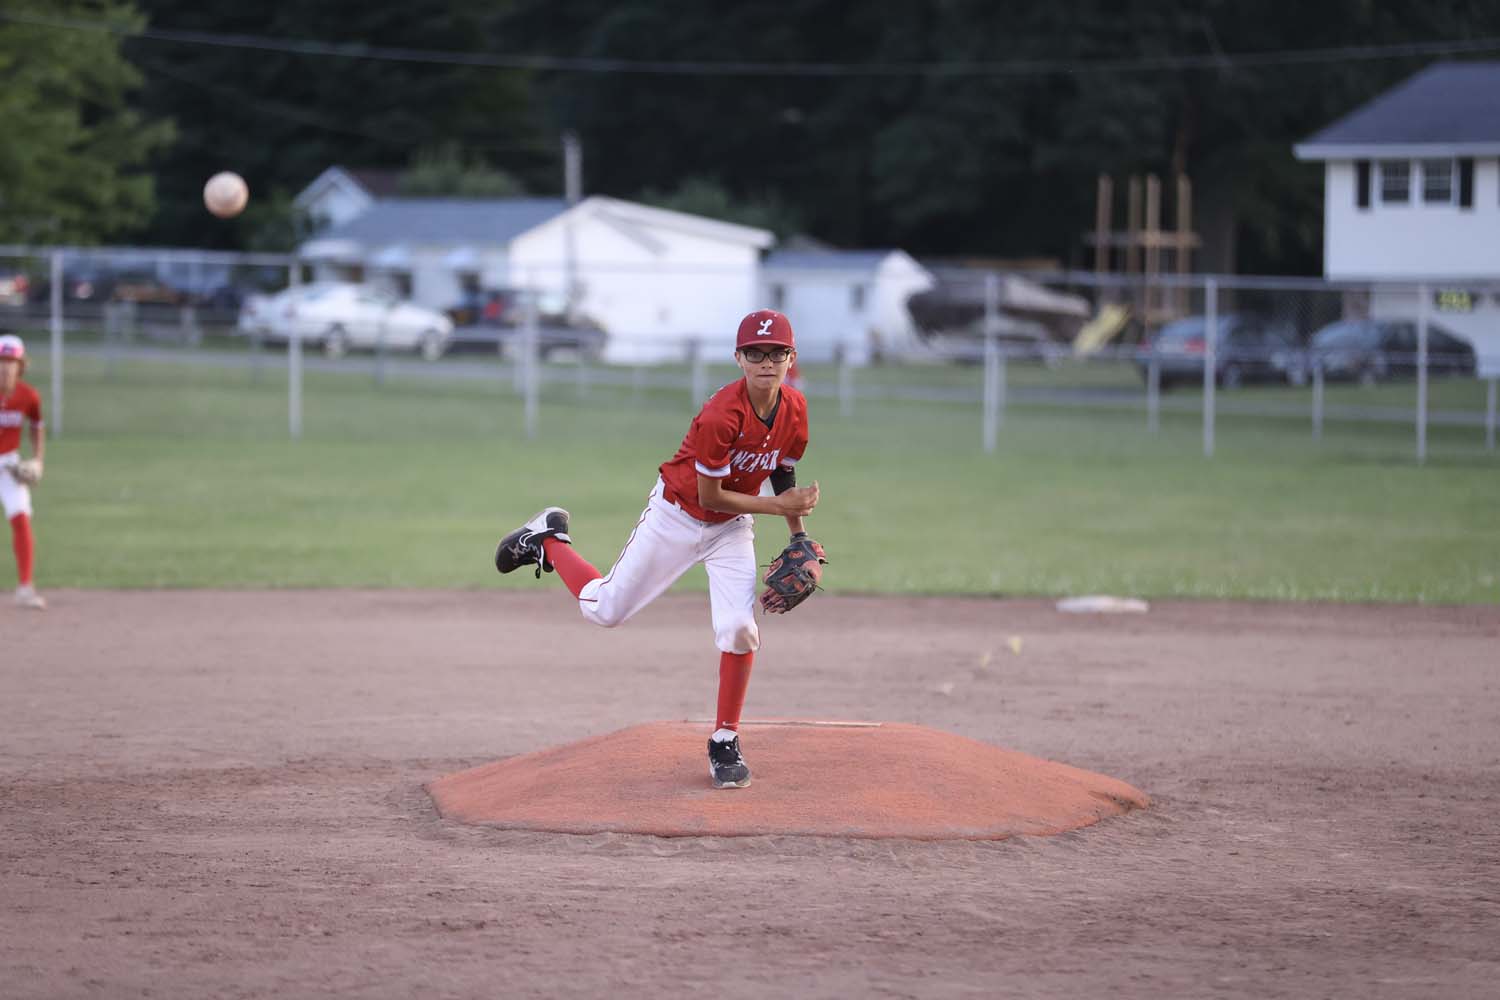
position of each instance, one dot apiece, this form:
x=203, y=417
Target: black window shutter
x=1466, y=182
x=1362, y=195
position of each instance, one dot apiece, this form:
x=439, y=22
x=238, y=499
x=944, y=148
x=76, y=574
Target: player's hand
x=798, y=501
x=27, y=472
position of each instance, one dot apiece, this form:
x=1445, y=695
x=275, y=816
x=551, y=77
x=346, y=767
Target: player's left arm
x=38, y=439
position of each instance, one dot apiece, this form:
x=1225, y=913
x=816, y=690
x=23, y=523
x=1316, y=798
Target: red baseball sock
x=572, y=567
x=734, y=679
x=20, y=539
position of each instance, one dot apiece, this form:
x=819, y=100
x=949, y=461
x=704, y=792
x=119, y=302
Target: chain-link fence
x=1202, y=347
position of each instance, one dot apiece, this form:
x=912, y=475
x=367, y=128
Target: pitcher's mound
x=809, y=779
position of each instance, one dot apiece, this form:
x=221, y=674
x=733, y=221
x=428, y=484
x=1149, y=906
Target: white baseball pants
x=666, y=543
x=15, y=498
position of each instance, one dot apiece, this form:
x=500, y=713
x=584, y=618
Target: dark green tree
x=280, y=118
x=446, y=171
x=71, y=162
x=702, y=196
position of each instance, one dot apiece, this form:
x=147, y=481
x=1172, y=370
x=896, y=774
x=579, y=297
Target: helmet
x=12, y=346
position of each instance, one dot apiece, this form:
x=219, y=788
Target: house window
x=1395, y=182
x=857, y=298
x=1437, y=182
x=1362, y=184
x=778, y=297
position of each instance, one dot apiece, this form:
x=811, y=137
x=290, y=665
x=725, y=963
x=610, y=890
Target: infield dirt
x=221, y=794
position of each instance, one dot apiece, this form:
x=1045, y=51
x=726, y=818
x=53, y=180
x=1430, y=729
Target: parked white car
x=342, y=316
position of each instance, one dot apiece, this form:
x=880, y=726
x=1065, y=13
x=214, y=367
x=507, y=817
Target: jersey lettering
x=746, y=461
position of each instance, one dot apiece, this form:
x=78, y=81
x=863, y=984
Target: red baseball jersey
x=21, y=405
x=728, y=441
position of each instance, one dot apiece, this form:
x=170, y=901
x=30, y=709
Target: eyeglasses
x=755, y=355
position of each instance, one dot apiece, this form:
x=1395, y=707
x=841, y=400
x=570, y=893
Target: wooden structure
x=1144, y=247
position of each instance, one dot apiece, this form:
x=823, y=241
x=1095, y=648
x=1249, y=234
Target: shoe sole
x=727, y=784
x=732, y=784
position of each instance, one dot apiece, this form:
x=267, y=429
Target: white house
x=849, y=300
x=1412, y=194
x=339, y=194
x=654, y=279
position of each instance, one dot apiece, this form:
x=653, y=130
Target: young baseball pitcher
x=700, y=510
x=19, y=404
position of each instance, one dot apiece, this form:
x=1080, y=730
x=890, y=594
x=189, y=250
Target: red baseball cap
x=765, y=326
x=12, y=346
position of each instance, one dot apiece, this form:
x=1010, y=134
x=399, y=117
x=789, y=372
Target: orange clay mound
x=819, y=779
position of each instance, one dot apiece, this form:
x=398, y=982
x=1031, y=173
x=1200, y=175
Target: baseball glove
x=793, y=575
x=27, y=472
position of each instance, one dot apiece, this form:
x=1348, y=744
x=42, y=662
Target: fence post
x=380, y=349
x=1153, y=391
x=529, y=353
x=1210, y=362
x=581, y=375
x=294, y=363
x=55, y=323
x=994, y=364
x=1490, y=416
x=1422, y=374
x=192, y=333
x=1317, y=398
x=991, y=409
x=113, y=327
x=846, y=382
x=700, y=377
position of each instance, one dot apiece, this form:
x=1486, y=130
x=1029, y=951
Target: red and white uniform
x=725, y=441
x=23, y=405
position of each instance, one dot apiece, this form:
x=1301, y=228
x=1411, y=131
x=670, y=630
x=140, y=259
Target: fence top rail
x=152, y=254
x=1224, y=281
x=950, y=273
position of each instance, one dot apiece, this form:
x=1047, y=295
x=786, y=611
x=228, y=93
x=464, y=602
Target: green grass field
x=183, y=476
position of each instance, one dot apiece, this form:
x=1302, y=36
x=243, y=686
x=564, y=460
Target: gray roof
x=1446, y=106
x=834, y=260
x=446, y=221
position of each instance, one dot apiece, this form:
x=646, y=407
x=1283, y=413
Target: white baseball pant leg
x=663, y=546
x=14, y=497
x=666, y=543
x=730, y=561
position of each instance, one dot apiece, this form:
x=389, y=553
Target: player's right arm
x=796, y=502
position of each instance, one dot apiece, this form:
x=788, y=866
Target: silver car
x=343, y=316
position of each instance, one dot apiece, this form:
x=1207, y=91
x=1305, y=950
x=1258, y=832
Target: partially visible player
x=700, y=510
x=19, y=404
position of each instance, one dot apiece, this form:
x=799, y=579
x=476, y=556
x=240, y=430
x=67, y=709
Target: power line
x=559, y=64
x=300, y=115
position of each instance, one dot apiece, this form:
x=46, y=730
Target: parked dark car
x=1247, y=349
x=146, y=288
x=492, y=321
x=1371, y=350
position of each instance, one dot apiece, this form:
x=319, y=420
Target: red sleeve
x=34, y=411
x=712, y=441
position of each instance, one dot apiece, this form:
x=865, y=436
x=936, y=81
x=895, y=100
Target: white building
x=653, y=279
x=849, y=300
x=1412, y=194
x=338, y=194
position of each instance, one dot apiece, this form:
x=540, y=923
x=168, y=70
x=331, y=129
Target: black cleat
x=726, y=766
x=523, y=547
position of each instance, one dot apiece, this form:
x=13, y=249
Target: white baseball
x=225, y=194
